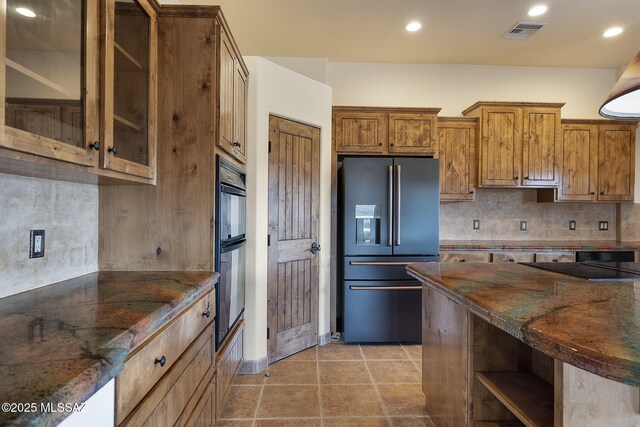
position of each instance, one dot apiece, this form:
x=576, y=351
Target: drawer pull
x=207, y=313
x=162, y=361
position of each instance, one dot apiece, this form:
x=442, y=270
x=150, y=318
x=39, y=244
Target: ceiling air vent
x=522, y=30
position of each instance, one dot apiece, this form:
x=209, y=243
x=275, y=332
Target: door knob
x=315, y=247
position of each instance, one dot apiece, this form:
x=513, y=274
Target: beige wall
x=276, y=90
x=68, y=212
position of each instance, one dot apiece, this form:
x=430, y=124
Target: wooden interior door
x=294, y=190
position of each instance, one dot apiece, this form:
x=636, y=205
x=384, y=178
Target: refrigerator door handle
x=390, y=205
x=398, y=192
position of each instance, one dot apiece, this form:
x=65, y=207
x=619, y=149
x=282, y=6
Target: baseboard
x=253, y=366
x=324, y=338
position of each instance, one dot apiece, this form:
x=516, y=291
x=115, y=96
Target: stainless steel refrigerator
x=390, y=218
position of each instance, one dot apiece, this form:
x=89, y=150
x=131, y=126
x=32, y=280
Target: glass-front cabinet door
x=129, y=87
x=50, y=79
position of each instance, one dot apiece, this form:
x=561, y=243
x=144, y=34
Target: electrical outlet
x=572, y=225
x=603, y=225
x=476, y=224
x=523, y=225
x=36, y=243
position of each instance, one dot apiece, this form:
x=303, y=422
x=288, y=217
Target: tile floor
x=334, y=385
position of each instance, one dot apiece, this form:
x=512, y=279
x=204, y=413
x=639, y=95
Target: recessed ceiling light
x=413, y=26
x=26, y=12
x=612, y=32
x=537, y=10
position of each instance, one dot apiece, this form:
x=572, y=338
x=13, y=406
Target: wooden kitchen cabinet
x=518, y=143
x=458, y=159
x=412, y=133
x=465, y=256
x=383, y=130
x=359, y=131
x=512, y=256
x=166, y=377
x=616, y=162
x=43, y=101
x=90, y=119
x=233, y=100
x=555, y=257
x=597, y=161
x=129, y=87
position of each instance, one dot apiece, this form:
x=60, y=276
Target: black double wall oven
x=231, y=210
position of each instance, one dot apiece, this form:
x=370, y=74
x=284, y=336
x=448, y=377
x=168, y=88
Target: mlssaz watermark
x=45, y=407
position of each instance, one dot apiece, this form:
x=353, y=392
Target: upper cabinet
x=79, y=89
x=458, y=160
x=519, y=143
x=598, y=161
x=50, y=80
x=129, y=34
x=379, y=130
x=233, y=99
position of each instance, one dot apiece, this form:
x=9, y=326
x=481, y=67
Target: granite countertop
x=592, y=325
x=546, y=245
x=63, y=342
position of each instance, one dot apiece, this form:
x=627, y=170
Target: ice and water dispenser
x=367, y=225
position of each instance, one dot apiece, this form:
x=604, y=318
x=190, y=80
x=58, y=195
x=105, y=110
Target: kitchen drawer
x=465, y=256
x=176, y=396
x=555, y=256
x=512, y=256
x=141, y=372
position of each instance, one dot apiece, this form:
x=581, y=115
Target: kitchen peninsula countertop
x=542, y=245
x=592, y=325
x=63, y=342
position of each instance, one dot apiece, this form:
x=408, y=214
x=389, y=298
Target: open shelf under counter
x=525, y=394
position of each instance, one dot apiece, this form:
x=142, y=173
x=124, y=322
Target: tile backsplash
x=68, y=212
x=500, y=212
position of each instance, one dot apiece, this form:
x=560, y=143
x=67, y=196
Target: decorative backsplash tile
x=500, y=211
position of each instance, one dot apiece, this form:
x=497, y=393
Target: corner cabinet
x=458, y=158
x=384, y=130
x=519, y=144
x=128, y=87
x=233, y=99
x=85, y=111
x=598, y=161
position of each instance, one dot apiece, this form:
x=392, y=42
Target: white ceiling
x=454, y=31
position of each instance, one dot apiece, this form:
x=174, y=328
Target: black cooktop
x=592, y=270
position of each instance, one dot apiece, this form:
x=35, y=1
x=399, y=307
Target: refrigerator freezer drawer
x=381, y=268
x=382, y=311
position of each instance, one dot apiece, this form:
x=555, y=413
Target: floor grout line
x=255, y=413
x=319, y=388
x=375, y=388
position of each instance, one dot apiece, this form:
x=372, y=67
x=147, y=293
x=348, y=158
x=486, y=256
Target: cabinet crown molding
x=513, y=104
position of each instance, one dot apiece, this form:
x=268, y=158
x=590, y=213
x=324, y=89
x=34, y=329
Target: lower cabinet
x=166, y=379
x=510, y=256
x=228, y=361
x=465, y=256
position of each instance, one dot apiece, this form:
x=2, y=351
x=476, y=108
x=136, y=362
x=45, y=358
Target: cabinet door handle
x=207, y=313
x=593, y=193
x=162, y=361
x=602, y=193
x=236, y=144
x=113, y=150
x=380, y=144
x=95, y=145
x=526, y=177
x=511, y=260
x=462, y=260
x=516, y=177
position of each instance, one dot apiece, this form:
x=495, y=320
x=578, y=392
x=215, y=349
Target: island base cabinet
x=445, y=361
x=587, y=400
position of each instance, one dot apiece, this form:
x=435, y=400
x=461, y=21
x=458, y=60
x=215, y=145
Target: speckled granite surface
x=61, y=343
x=543, y=245
x=592, y=325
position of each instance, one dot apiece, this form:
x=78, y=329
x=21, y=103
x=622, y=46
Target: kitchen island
x=505, y=342
x=63, y=342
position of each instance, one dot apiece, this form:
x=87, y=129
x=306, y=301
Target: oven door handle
x=232, y=190
x=233, y=247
